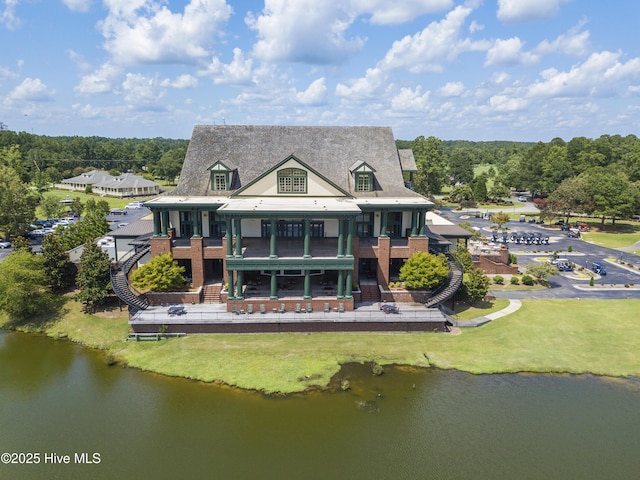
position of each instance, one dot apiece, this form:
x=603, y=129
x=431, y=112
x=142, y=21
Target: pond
x=58, y=399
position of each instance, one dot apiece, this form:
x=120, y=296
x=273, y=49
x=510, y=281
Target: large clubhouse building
x=313, y=215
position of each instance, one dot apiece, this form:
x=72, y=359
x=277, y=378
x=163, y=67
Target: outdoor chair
x=262, y=308
x=234, y=309
x=326, y=308
x=309, y=308
x=282, y=308
x=297, y=308
x=250, y=308
x=341, y=307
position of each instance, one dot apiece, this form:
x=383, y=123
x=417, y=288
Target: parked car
x=522, y=198
x=388, y=308
x=5, y=244
x=176, y=310
x=117, y=211
x=598, y=268
x=134, y=205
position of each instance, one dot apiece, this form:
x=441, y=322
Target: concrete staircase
x=370, y=292
x=211, y=293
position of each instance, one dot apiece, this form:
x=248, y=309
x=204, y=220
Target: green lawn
x=585, y=336
x=622, y=234
x=112, y=201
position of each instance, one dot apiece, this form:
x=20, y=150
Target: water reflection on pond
x=405, y=424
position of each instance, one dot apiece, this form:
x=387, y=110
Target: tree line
x=42, y=159
x=599, y=177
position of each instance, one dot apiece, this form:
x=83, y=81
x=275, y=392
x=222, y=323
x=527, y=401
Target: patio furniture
x=262, y=308
x=309, y=308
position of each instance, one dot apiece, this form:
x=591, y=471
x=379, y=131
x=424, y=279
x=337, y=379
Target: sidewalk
x=514, y=305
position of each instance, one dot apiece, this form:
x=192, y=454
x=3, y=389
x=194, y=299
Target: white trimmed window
x=292, y=180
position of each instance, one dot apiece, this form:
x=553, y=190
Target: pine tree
x=59, y=271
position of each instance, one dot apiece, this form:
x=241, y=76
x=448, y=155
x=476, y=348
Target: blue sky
x=523, y=70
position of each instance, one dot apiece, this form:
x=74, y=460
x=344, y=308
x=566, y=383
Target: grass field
x=570, y=336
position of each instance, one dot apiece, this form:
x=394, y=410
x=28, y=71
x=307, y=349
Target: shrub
x=591, y=282
x=513, y=259
x=515, y=280
x=498, y=280
x=570, y=248
x=527, y=280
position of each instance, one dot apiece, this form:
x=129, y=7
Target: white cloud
x=315, y=94
x=384, y=12
x=365, y=87
x=427, y=50
x=6, y=74
x=144, y=31
x=600, y=75
x=78, y=59
x=8, y=15
x=78, y=5
x=238, y=72
x=102, y=80
x=526, y=10
x=574, y=42
x=305, y=31
x=504, y=103
x=451, y=89
x=509, y=52
x=411, y=100
x=31, y=90
x=182, y=81
x=141, y=90
x=86, y=111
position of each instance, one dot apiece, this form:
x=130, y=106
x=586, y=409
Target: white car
x=134, y=205
x=5, y=244
x=522, y=198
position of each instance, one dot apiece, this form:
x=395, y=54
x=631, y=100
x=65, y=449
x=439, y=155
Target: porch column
x=383, y=223
x=307, y=237
x=348, y=289
x=197, y=223
x=238, y=220
x=239, y=295
x=307, y=284
x=165, y=223
x=274, y=286
x=156, y=223
x=340, y=284
x=422, y=221
x=230, y=287
x=350, y=227
x=229, y=237
x=414, y=223
x=273, y=239
x=340, y=237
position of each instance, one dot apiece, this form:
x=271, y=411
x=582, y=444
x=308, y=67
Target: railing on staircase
x=120, y=281
x=451, y=284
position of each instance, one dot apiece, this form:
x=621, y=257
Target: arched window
x=292, y=180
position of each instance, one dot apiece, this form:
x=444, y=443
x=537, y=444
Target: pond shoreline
x=523, y=342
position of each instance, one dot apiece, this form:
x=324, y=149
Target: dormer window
x=292, y=180
x=219, y=181
x=362, y=176
x=220, y=176
x=363, y=182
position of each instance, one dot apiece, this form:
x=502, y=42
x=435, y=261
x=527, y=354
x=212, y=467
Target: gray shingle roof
x=328, y=150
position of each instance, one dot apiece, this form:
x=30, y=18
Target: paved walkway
x=514, y=305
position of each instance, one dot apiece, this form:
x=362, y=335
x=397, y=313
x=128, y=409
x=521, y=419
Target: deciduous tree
x=161, y=274
x=424, y=271
x=94, y=277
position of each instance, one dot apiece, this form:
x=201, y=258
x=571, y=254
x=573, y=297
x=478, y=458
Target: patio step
x=211, y=293
x=370, y=293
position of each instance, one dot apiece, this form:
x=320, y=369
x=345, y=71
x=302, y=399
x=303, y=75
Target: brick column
x=384, y=254
x=197, y=262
